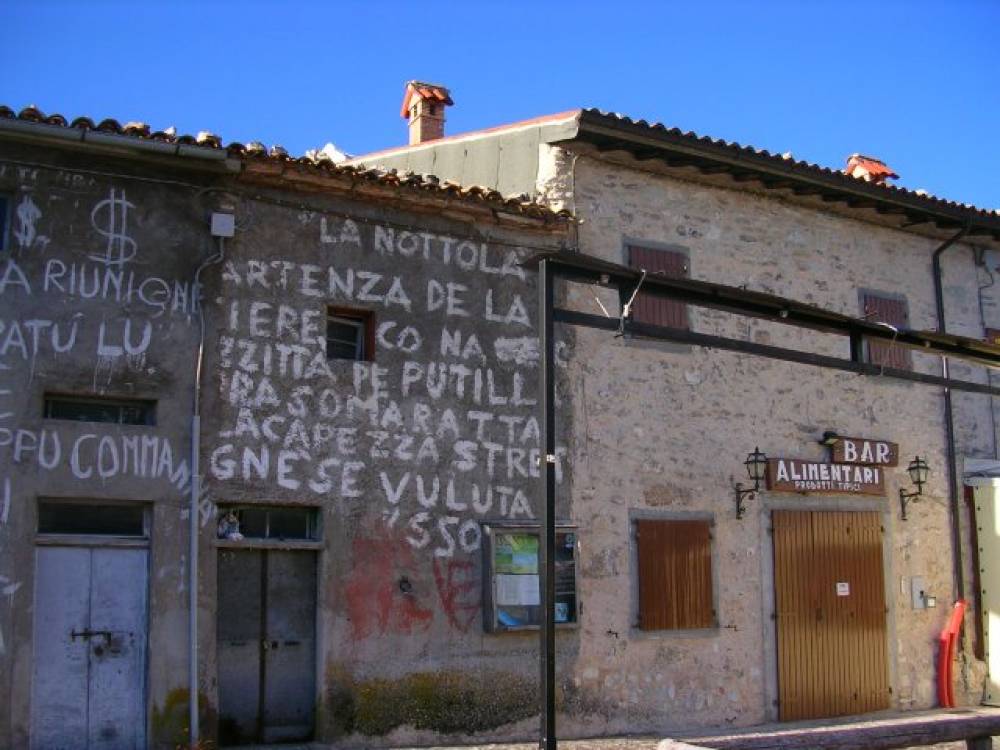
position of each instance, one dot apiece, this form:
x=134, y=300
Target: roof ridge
x=257, y=151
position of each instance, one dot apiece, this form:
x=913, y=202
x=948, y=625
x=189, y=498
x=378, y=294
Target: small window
x=64, y=517
x=891, y=310
x=675, y=574
x=268, y=522
x=657, y=310
x=95, y=409
x=350, y=334
x=511, y=561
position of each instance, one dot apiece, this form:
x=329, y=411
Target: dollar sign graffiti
x=114, y=225
x=27, y=215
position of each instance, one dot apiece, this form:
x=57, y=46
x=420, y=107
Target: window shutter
x=653, y=310
x=675, y=575
x=892, y=311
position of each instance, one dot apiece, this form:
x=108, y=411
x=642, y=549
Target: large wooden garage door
x=830, y=607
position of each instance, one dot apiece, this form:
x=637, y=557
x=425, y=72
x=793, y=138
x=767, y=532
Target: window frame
x=93, y=538
x=491, y=623
x=641, y=515
x=149, y=404
x=365, y=321
x=905, y=361
x=313, y=517
x=677, y=253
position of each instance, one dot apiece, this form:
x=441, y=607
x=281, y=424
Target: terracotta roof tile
x=806, y=169
x=321, y=163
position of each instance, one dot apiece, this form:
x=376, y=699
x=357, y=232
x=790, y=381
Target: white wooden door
x=88, y=689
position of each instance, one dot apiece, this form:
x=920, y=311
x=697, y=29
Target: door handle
x=269, y=644
x=105, y=634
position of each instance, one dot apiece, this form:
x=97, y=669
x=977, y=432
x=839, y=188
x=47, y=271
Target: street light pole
x=547, y=547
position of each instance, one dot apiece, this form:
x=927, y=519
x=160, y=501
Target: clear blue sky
x=914, y=82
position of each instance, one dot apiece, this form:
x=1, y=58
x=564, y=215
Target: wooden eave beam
x=593, y=126
x=712, y=169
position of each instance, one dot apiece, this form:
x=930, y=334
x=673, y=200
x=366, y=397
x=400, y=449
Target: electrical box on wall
x=223, y=225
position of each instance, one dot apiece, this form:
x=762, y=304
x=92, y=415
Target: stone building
x=821, y=599
x=365, y=403
x=361, y=446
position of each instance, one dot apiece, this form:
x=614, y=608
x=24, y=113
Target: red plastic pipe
x=946, y=655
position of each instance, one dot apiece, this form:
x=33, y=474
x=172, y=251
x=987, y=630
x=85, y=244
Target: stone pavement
x=939, y=729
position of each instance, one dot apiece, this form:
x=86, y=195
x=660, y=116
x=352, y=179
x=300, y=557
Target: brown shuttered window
x=891, y=310
x=661, y=312
x=675, y=574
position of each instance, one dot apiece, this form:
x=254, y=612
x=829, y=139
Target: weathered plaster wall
x=404, y=456
x=96, y=297
x=665, y=429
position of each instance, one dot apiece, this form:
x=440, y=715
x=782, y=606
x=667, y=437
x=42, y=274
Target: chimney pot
x=423, y=106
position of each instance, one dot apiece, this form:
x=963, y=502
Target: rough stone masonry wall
x=666, y=428
x=404, y=456
x=96, y=297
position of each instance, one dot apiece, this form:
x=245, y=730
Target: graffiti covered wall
x=403, y=455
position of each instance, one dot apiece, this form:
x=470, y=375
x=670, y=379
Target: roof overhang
x=682, y=153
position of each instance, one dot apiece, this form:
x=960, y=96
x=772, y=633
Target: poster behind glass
x=516, y=579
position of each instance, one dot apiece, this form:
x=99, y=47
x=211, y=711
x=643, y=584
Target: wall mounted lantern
x=756, y=464
x=918, y=471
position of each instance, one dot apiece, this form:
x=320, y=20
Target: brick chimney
x=869, y=169
x=423, y=106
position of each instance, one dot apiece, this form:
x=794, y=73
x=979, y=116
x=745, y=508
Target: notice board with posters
x=511, y=580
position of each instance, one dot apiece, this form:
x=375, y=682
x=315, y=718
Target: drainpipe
x=956, y=531
x=989, y=372
x=193, y=527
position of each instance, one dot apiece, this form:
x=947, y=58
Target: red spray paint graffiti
x=376, y=600
x=458, y=588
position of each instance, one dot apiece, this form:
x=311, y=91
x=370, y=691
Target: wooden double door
x=830, y=614
x=88, y=691
x=266, y=645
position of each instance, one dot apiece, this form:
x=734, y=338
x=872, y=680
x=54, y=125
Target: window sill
x=90, y=540
x=532, y=628
x=637, y=634
x=632, y=341
x=279, y=544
